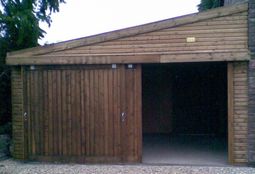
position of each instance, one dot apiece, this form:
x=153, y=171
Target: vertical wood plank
x=87, y=111
x=46, y=113
x=59, y=112
x=119, y=104
x=78, y=110
x=119, y=108
x=35, y=113
x=131, y=123
x=69, y=112
x=111, y=112
x=73, y=114
x=33, y=106
x=96, y=111
x=25, y=109
x=105, y=111
x=50, y=85
x=101, y=113
x=129, y=126
x=138, y=112
x=92, y=112
x=40, y=113
x=123, y=108
x=64, y=112
x=230, y=113
x=28, y=77
x=54, y=113
x=116, y=113
x=83, y=115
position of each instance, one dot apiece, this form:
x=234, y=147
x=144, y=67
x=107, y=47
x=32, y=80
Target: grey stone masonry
x=230, y=2
x=251, y=121
x=251, y=111
x=251, y=29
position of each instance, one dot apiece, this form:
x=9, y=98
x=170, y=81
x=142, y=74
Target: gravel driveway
x=13, y=167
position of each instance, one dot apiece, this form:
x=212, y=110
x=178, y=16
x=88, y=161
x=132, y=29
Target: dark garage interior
x=185, y=113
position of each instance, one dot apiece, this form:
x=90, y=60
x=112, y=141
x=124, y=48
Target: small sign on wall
x=190, y=39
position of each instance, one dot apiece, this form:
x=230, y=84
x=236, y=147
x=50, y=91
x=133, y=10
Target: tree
x=208, y=4
x=19, y=28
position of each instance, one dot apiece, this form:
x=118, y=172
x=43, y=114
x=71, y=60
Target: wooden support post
x=230, y=113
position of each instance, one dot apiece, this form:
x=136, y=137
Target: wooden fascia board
x=146, y=28
x=67, y=60
x=120, y=59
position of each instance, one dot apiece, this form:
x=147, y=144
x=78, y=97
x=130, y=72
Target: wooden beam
x=155, y=26
x=230, y=113
x=25, y=109
x=67, y=60
x=130, y=58
x=204, y=57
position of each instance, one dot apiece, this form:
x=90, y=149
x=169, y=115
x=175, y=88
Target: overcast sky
x=80, y=18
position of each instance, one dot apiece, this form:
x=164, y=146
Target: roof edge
x=127, y=32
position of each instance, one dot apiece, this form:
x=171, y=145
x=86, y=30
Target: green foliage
x=19, y=21
x=19, y=28
x=208, y=4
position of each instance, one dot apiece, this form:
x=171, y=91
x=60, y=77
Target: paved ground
x=10, y=166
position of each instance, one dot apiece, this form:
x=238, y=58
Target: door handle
x=25, y=116
x=123, y=116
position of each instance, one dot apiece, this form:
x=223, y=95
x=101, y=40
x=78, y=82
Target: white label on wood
x=190, y=39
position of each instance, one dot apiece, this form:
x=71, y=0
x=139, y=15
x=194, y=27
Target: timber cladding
x=218, y=35
x=240, y=115
x=74, y=113
x=80, y=100
x=46, y=134
x=223, y=35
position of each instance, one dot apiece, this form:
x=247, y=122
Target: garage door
x=83, y=113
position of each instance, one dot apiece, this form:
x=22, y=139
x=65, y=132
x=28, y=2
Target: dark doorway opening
x=185, y=113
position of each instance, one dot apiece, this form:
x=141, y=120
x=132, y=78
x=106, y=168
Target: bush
x=208, y=4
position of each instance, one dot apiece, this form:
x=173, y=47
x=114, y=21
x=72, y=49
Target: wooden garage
x=82, y=100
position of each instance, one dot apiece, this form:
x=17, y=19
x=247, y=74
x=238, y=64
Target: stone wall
x=251, y=127
x=230, y=2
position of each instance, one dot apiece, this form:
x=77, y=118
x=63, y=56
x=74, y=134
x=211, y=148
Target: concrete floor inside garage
x=185, y=114
x=184, y=150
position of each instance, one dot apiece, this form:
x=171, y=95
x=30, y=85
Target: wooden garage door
x=83, y=113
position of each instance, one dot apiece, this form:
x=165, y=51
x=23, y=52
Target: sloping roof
x=127, y=32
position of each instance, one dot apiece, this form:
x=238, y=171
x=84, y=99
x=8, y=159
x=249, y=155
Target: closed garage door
x=83, y=113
